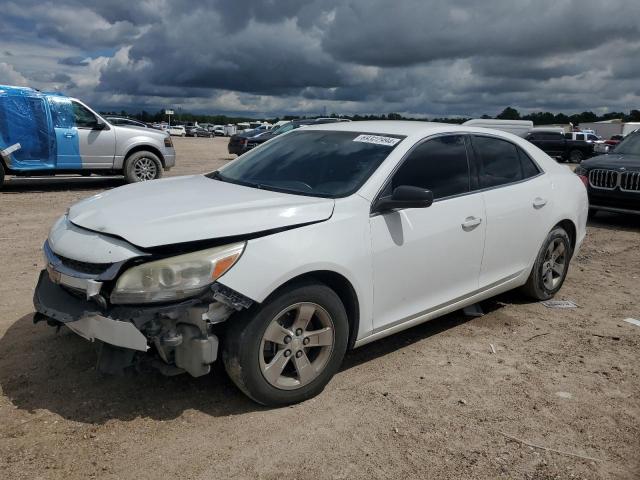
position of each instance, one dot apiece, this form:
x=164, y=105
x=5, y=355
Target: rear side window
x=439, y=165
x=529, y=168
x=499, y=161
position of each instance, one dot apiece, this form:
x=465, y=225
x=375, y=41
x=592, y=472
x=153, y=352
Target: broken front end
x=160, y=309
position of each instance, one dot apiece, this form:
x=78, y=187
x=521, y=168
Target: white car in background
x=320, y=240
x=177, y=130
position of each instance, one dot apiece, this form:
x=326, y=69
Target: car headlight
x=175, y=278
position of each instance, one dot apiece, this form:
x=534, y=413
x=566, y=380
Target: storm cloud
x=274, y=57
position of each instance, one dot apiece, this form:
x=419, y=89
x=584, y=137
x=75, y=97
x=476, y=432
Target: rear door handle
x=470, y=223
x=539, y=202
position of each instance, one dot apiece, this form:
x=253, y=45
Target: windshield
x=630, y=145
x=282, y=128
x=316, y=163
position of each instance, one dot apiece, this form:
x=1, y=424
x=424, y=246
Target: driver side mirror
x=404, y=196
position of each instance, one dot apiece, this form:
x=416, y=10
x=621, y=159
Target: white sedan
x=320, y=240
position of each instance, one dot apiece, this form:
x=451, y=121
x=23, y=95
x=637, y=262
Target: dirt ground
x=431, y=402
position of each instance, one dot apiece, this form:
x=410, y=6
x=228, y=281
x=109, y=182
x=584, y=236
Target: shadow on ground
x=58, y=184
x=616, y=221
x=42, y=369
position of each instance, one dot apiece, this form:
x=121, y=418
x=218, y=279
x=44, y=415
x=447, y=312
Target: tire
x=248, y=356
x=539, y=286
x=183, y=135
x=576, y=156
x=142, y=166
x=1, y=175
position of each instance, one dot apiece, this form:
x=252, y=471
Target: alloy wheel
x=145, y=169
x=554, y=264
x=296, y=346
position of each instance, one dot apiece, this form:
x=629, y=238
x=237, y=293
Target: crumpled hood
x=185, y=209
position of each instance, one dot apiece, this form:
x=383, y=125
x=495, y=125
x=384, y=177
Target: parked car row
x=243, y=142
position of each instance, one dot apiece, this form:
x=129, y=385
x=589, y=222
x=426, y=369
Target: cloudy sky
x=275, y=57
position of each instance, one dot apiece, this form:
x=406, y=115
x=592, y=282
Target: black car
x=556, y=144
x=240, y=143
x=199, y=132
x=613, y=180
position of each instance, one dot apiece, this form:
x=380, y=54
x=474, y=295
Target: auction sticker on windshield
x=377, y=139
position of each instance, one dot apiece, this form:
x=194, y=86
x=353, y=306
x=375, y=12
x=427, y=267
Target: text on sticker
x=377, y=139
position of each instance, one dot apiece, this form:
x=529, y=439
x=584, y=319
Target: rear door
x=516, y=195
x=66, y=134
x=426, y=258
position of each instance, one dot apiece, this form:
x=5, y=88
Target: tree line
x=509, y=113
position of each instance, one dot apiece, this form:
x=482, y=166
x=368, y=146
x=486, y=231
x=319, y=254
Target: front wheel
x=287, y=349
x=551, y=266
x=142, y=166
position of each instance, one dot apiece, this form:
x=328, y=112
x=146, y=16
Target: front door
x=425, y=258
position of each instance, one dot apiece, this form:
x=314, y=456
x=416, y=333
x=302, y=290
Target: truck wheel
x=576, y=156
x=287, y=349
x=1, y=174
x=142, y=166
x=551, y=266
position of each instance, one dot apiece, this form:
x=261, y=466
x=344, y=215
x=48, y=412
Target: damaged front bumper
x=175, y=338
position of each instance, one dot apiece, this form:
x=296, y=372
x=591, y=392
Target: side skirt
x=509, y=283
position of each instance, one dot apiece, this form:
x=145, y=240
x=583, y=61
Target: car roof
x=391, y=127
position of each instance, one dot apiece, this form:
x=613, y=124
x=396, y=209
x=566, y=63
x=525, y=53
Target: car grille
x=610, y=180
x=603, y=179
x=84, y=267
x=630, y=181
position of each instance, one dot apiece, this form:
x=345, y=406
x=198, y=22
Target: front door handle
x=539, y=202
x=470, y=223
x=69, y=135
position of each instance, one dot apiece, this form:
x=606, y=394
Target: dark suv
x=613, y=180
x=242, y=142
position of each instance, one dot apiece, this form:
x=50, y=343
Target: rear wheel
x=142, y=166
x=551, y=266
x=576, y=156
x=287, y=349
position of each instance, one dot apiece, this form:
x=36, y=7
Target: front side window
x=499, y=161
x=579, y=136
x=439, y=165
x=315, y=163
x=83, y=118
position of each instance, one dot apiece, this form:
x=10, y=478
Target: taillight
x=167, y=142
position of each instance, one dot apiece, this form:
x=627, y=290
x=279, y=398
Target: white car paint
x=185, y=209
x=405, y=267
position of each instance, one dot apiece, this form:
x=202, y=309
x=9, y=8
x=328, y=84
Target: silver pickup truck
x=49, y=134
